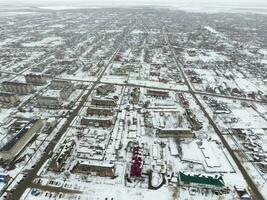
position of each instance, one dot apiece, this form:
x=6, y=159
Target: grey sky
x=235, y=3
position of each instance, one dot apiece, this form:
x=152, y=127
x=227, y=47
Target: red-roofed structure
x=183, y=100
x=136, y=167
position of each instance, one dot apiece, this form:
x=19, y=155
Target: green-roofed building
x=201, y=179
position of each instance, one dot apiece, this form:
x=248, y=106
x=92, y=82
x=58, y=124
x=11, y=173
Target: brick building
x=103, y=122
x=100, y=111
x=104, y=102
x=35, y=79
x=17, y=88
x=96, y=169
x=8, y=98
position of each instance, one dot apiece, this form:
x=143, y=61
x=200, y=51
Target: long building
x=189, y=179
x=103, y=102
x=59, y=84
x=137, y=162
x=8, y=98
x=103, y=122
x=194, y=122
x=35, y=79
x=49, y=101
x=17, y=88
x=96, y=169
x=176, y=133
x=13, y=147
x=100, y=111
x=105, y=89
x=66, y=91
x=183, y=101
x=157, y=93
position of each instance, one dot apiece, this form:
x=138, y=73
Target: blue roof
x=19, y=135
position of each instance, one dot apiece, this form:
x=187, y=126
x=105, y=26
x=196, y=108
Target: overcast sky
x=241, y=3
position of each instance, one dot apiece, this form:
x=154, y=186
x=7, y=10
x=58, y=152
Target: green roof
x=201, y=179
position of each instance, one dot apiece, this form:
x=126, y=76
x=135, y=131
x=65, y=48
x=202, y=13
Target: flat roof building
x=105, y=89
x=157, y=93
x=35, y=79
x=13, y=147
x=8, y=98
x=176, y=133
x=103, y=122
x=49, y=102
x=17, y=88
x=100, y=111
x=50, y=99
x=188, y=179
x=66, y=91
x=95, y=168
x=104, y=102
x=59, y=84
